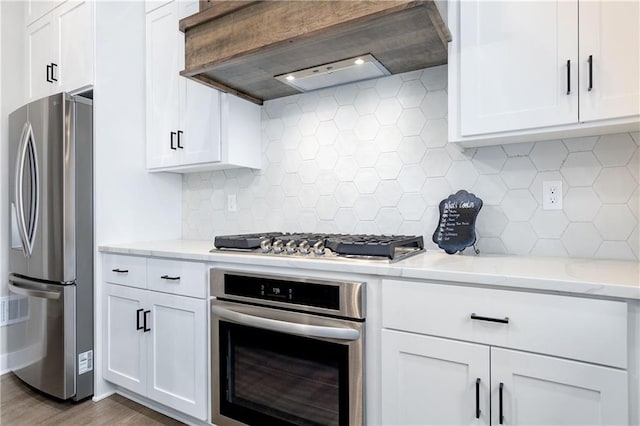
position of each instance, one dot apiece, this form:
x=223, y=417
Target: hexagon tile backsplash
x=373, y=157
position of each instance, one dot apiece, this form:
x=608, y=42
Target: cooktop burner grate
x=392, y=247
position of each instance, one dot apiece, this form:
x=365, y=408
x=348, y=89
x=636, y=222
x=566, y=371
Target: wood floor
x=21, y=405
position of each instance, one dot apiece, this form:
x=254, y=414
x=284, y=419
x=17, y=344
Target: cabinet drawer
x=126, y=270
x=577, y=328
x=177, y=277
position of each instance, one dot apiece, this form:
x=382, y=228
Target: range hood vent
x=345, y=71
x=240, y=46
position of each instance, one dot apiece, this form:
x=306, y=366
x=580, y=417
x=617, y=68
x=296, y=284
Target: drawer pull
x=167, y=277
x=120, y=271
x=504, y=320
x=478, y=398
x=501, y=416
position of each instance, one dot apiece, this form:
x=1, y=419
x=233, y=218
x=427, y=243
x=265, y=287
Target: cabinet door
x=199, y=109
x=178, y=372
x=513, y=65
x=75, y=38
x=35, y=9
x=541, y=390
x=40, y=54
x=163, y=66
x=610, y=36
x=125, y=347
x=200, y=123
x=432, y=381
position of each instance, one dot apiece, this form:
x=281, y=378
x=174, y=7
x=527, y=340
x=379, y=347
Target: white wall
x=130, y=204
x=373, y=157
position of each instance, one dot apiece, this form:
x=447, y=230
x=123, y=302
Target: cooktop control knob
x=291, y=247
x=265, y=245
x=318, y=248
x=277, y=246
x=304, y=248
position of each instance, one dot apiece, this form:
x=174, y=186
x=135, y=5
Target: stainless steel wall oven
x=286, y=351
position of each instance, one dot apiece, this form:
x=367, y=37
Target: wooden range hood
x=239, y=46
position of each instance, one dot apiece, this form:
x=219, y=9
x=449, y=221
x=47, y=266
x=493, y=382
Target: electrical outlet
x=232, y=203
x=552, y=195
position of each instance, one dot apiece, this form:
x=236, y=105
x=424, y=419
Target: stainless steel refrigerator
x=51, y=243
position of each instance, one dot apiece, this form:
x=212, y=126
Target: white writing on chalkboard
x=460, y=205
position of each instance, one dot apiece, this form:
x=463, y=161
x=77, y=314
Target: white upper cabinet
x=610, y=59
x=519, y=61
x=35, y=9
x=60, y=52
x=526, y=71
x=162, y=86
x=41, y=54
x=75, y=38
x=191, y=127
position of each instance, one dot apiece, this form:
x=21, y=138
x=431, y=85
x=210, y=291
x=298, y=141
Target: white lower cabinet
x=453, y=354
x=426, y=380
x=542, y=390
x=178, y=352
x=433, y=381
x=155, y=345
x=124, y=342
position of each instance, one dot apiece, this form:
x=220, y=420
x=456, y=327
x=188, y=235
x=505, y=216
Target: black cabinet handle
x=172, y=135
x=568, y=76
x=180, y=132
x=138, y=326
x=504, y=320
x=590, y=72
x=53, y=71
x=167, y=277
x=478, y=398
x=145, y=329
x=120, y=271
x=501, y=418
x=49, y=69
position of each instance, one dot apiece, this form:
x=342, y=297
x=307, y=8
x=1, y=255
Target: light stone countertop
x=600, y=278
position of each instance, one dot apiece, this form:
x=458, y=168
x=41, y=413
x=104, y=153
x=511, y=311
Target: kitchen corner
x=265, y=223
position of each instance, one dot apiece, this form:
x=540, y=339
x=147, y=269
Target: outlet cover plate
x=232, y=203
x=552, y=195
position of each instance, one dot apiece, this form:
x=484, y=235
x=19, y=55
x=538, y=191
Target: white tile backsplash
x=373, y=157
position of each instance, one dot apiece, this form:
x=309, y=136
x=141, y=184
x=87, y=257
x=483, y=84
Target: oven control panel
x=296, y=293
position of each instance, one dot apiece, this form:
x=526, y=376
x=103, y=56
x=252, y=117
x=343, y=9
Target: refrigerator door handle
x=27, y=151
x=22, y=153
x=28, y=288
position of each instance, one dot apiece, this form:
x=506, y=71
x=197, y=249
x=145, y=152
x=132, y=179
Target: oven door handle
x=287, y=327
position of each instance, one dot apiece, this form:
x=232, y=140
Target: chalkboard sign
x=456, y=229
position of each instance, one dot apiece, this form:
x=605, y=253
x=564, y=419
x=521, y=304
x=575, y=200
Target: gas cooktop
x=330, y=246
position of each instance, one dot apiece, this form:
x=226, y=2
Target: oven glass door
x=274, y=378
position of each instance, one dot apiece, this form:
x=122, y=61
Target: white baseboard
x=96, y=398
x=162, y=409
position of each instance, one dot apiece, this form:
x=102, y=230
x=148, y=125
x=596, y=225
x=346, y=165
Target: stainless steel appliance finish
x=381, y=248
x=278, y=312
x=51, y=244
